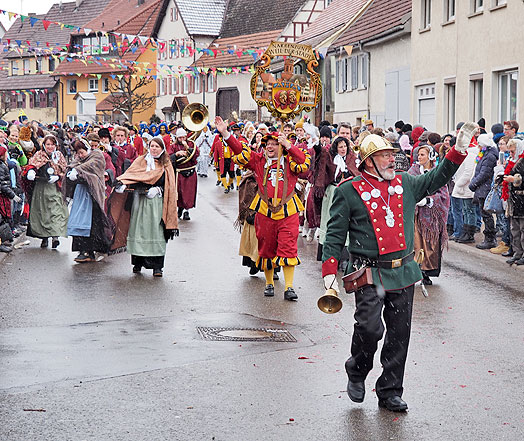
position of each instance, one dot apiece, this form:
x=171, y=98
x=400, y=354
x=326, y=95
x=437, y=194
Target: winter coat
x=464, y=175
x=5, y=181
x=516, y=190
x=481, y=182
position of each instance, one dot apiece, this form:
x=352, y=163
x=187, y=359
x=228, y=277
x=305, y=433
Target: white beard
x=388, y=174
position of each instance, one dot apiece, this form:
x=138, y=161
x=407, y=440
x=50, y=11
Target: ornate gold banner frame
x=290, y=94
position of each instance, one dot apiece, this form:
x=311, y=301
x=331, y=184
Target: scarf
x=150, y=160
x=138, y=172
x=42, y=158
x=91, y=170
x=340, y=162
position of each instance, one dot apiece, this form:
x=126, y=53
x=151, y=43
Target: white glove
x=121, y=188
x=31, y=175
x=330, y=282
x=426, y=201
x=17, y=199
x=72, y=175
x=466, y=133
x=53, y=179
x=109, y=148
x=153, y=191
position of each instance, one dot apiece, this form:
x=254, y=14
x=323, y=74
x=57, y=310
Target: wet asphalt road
x=114, y=356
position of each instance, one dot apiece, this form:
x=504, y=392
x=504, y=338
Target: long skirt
x=313, y=210
x=98, y=239
x=203, y=163
x=248, y=242
x=146, y=241
x=432, y=262
x=48, y=216
x=187, y=191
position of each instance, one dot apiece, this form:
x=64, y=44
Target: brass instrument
x=195, y=117
x=330, y=302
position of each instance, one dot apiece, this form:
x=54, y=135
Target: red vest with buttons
x=389, y=239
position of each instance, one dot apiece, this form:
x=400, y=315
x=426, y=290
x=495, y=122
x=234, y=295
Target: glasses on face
x=386, y=155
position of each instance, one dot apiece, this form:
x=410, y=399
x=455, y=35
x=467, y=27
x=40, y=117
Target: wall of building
x=471, y=46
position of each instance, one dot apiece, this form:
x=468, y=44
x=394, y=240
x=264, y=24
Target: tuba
x=195, y=116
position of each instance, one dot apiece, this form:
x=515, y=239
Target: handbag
x=358, y=279
x=493, y=202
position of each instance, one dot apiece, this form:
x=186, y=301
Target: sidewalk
x=483, y=254
x=17, y=240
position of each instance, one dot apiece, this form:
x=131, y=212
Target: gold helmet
x=372, y=144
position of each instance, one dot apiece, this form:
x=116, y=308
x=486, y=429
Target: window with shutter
x=364, y=60
x=337, y=76
x=343, y=68
x=354, y=72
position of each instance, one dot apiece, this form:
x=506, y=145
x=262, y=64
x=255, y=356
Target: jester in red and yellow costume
x=276, y=219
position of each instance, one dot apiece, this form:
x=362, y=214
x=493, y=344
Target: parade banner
x=291, y=94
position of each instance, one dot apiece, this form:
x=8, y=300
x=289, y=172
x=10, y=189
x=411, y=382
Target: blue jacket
x=481, y=182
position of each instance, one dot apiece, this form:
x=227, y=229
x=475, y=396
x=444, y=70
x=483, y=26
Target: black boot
x=468, y=234
x=488, y=243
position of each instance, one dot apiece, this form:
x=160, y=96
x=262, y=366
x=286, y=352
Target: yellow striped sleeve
x=244, y=156
x=300, y=168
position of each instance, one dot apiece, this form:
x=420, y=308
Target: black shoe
x=520, y=261
x=5, y=249
x=425, y=279
x=218, y=183
x=137, y=269
x=253, y=270
x=276, y=276
x=157, y=273
x=395, y=404
x=269, y=291
x=44, y=243
x=55, y=243
x=226, y=191
x=290, y=294
x=180, y=211
x=468, y=234
x=508, y=253
x=186, y=216
x=356, y=391
x=512, y=260
x=486, y=244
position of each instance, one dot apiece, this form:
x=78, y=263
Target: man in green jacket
x=377, y=210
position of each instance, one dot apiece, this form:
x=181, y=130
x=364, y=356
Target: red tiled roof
x=380, y=17
x=251, y=41
x=116, y=13
x=143, y=22
x=331, y=19
x=26, y=82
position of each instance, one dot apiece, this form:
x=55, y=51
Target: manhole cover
x=246, y=334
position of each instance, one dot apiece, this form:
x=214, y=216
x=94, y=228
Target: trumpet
x=330, y=302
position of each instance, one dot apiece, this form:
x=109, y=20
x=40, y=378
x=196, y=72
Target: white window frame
x=185, y=84
x=477, y=98
x=211, y=82
x=450, y=99
x=425, y=14
x=71, y=120
x=477, y=6
x=27, y=66
x=363, y=71
x=86, y=45
x=104, y=45
x=505, y=114
x=197, y=88
x=105, y=85
x=499, y=3
x=93, y=85
x=450, y=9
x=69, y=83
x=354, y=72
x=161, y=88
x=14, y=67
x=173, y=14
x=51, y=65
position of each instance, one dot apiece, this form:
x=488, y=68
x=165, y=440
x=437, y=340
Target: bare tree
x=5, y=105
x=127, y=97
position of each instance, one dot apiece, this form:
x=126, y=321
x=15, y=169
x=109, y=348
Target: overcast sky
x=25, y=7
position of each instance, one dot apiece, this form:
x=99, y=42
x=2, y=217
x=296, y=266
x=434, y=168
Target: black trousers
x=227, y=171
x=396, y=307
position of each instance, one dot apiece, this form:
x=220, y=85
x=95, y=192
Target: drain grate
x=246, y=334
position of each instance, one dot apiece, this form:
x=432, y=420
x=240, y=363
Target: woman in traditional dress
x=185, y=159
x=335, y=164
x=153, y=220
x=431, y=216
x=85, y=183
x=48, y=215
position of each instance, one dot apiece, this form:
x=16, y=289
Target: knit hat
x=326, y=132
x=497, y=128
x=180, y=132
x=404, y=143
x=485, y=140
